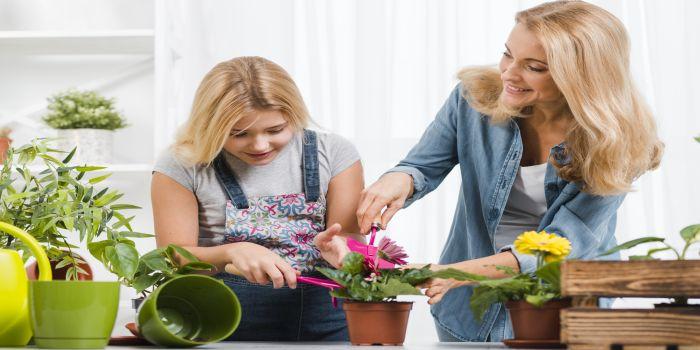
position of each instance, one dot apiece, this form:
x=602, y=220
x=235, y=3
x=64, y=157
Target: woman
x=552, y=141
x=246, y=185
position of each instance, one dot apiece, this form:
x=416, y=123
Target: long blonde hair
x=613, y=139
x=230, y=91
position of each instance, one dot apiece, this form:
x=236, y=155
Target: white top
x=526, y=205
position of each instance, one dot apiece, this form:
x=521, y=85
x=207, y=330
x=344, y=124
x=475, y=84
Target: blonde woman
x=551, y=140
x=246, y=184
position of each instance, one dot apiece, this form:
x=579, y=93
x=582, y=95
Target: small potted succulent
x=373, y=314
x=533, y=300
x=87, y=120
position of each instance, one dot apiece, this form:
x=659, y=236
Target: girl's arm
x=341, y=204
x=175, y=218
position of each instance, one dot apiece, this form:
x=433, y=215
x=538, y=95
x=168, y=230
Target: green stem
x=679, y=257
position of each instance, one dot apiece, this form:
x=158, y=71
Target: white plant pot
x=94, y=145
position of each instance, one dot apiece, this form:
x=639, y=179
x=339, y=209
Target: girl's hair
x=613, y=139
x=230, y=91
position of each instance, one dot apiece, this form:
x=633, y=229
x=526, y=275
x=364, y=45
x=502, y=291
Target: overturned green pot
x=189, y=311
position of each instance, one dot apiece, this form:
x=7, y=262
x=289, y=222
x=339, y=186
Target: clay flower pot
x=536, y=323
x=59, y=274
x=377, y=323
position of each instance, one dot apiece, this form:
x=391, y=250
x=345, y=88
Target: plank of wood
x=629, y=326
x=652, y=279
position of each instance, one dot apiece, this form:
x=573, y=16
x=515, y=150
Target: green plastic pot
x=189, y=311
x=73, y=314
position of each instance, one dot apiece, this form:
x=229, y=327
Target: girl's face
x=524, y=72
x=258, y=137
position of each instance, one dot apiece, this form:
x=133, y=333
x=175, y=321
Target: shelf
x=119, y=42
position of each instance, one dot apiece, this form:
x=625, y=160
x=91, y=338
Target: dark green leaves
x=353, y=263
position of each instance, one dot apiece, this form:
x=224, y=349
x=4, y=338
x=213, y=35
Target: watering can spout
x=15, y=329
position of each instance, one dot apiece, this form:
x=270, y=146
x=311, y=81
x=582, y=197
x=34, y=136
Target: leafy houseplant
x=372, y=312
x=531, y=299
x=87, y=119
x=54, y=198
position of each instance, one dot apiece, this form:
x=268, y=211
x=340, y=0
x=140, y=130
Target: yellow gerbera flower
x=553, y=247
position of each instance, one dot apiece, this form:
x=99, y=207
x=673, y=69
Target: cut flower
x=549, y=245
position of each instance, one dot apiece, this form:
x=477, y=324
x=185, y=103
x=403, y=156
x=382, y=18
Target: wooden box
x=585, y=326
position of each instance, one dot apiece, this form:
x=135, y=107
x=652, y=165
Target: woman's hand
x=260, y=265
x=390, y=191
x=333, y=247
x=436, y=288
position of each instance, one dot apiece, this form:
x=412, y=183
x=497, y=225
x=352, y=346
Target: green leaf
x=123, y=206
x=97, y=249
x=99, y=179
x=155, y=259
x=184, y=253
x=144, y=282
x=17, y=196
x=539, y=299
x=341, y=277
x=691, y=233
x=641, y=257
x=135, y=234
x=124, y=259
x=632, y=243
x=70, y=155
x=353, y=263
x=395, y=287
x=651, y=252
x=458, y=275
x=89, y=168
x=550, y=273
x=195, y=266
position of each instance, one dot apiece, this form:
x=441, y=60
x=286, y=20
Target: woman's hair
x=613, y=137
x=230, y=91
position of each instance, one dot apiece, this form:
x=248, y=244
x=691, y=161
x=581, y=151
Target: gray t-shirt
x=283, y=175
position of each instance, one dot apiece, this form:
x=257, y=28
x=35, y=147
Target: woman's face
x=258, y=137
x=524, y=72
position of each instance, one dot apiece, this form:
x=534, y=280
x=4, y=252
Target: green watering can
x=15, y=328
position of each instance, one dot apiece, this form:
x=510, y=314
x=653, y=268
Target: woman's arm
x=175, y=217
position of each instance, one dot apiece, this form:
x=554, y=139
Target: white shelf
x=119, y=42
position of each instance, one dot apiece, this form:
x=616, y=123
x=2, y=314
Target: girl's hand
x=390, y=191
x=260, y=265
x=333, y=247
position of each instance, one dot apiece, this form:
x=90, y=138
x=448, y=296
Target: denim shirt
x=489, y=156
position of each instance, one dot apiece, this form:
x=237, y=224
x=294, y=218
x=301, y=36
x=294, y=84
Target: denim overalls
x=286, y=224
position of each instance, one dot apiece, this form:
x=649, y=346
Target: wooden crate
x=586, y=327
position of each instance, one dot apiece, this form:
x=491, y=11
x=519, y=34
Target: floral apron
x=286, y=224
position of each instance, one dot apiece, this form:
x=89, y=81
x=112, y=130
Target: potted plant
x=533, y=300
x=85, y=119
x=5, y=142
x=54, y=200
x=373, y=314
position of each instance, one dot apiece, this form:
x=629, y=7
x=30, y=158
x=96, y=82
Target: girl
x=246, y=184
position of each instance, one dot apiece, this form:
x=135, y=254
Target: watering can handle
x=41, y=259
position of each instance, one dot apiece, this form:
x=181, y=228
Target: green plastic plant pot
x=189, y=311
x=73, y=314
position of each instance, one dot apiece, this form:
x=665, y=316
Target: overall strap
x=228, y=180
x=312, y=182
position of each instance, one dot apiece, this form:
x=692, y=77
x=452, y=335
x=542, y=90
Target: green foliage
x=83, y=110
x=689, y=234
x=536, y=290
x=361, y=283
x=52, y=197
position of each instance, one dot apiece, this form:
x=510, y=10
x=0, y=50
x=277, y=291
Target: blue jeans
x=284, y=314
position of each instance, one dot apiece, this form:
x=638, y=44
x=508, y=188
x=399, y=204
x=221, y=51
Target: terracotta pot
x=536, y=323
x=4, y=146
x=59, y=274
x=377, y=323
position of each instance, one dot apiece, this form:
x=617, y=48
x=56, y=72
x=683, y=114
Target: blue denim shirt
x=489, y=157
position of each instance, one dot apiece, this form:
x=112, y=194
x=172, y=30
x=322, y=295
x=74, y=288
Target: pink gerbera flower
x=392, y=252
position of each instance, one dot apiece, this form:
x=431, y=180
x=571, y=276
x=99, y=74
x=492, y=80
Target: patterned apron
x=287, y=223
